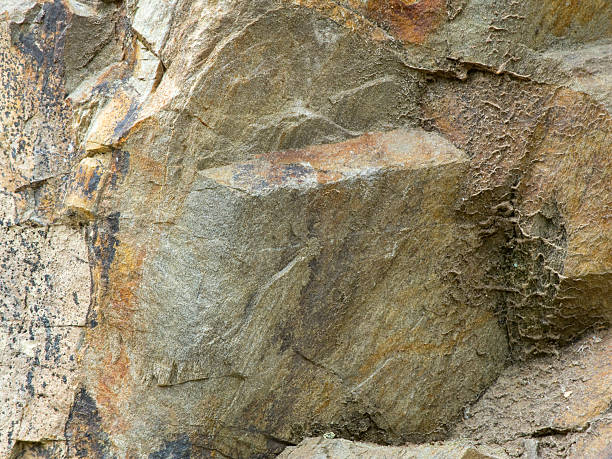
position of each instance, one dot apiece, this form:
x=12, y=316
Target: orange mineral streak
x=397, y=344
x=115, y=332
x=411, y=21
x=125, y=276
x=349, y=14
x=595, y=445
x=560, y=15
x=104, y=130
x=330, y=163
x=403, y=149
x=112, y=390
x=575, y=166
x=446, y=114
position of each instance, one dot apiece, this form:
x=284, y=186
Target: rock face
x=285, y=277
x=329, y=448
x=229, y=226
x=560, y=405
x=552, y=407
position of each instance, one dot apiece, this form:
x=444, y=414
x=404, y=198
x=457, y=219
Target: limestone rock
x=553, y=215
x=596, y=442
x=590, y=67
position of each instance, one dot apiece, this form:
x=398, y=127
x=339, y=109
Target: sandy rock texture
x=231, y=227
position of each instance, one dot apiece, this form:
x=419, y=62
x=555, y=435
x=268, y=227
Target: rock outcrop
x=229, y=226
x=556, y=406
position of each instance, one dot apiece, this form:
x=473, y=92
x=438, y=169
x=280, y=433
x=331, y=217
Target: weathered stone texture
x=226, y=226
x=552, y=207
x=44, y=283
x=295, y=269
x=44, y=275
x=322, y=448
x=552, y=407
x=562, y=403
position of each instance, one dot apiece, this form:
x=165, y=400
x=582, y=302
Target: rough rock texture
x=551, y=407
x=226, y=226
x=322, y=448
x=296, y=271
x=560, y=404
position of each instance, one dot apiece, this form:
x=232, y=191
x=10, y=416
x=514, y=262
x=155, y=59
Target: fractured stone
x=317, y=271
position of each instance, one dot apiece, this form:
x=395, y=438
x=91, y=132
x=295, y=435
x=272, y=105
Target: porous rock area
x=314, y=228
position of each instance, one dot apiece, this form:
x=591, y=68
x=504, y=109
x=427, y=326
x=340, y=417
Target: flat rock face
x=229, y=226
x=44, y=283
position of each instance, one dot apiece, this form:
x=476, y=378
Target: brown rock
x=317, y=277
x=83, y=193
x=562, y=402
x=226, y=226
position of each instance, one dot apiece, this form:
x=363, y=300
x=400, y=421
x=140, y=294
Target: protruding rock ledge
x=319, y=165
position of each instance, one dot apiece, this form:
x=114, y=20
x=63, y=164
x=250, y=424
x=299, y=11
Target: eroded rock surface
x=229, y=226
x=294, y=284
x=552, y=407
x=322, y=448
x=559, y=404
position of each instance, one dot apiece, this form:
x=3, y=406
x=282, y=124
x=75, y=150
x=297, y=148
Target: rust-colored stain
x=85, y=186
x=110, y=123
x=348, y=15
x=597, y=445
x=111, y=391
x=118, y=307
x=329, y=163
x=575, y=166
x=399, y=343
x=446, y=113
x=124, y=277
x=411, y=21
x=559, y=15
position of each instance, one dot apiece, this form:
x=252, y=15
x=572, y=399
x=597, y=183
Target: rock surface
x=229, y=226
x=560, y=403
x=285, y=277
x=551, y=407
x=322, y=448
